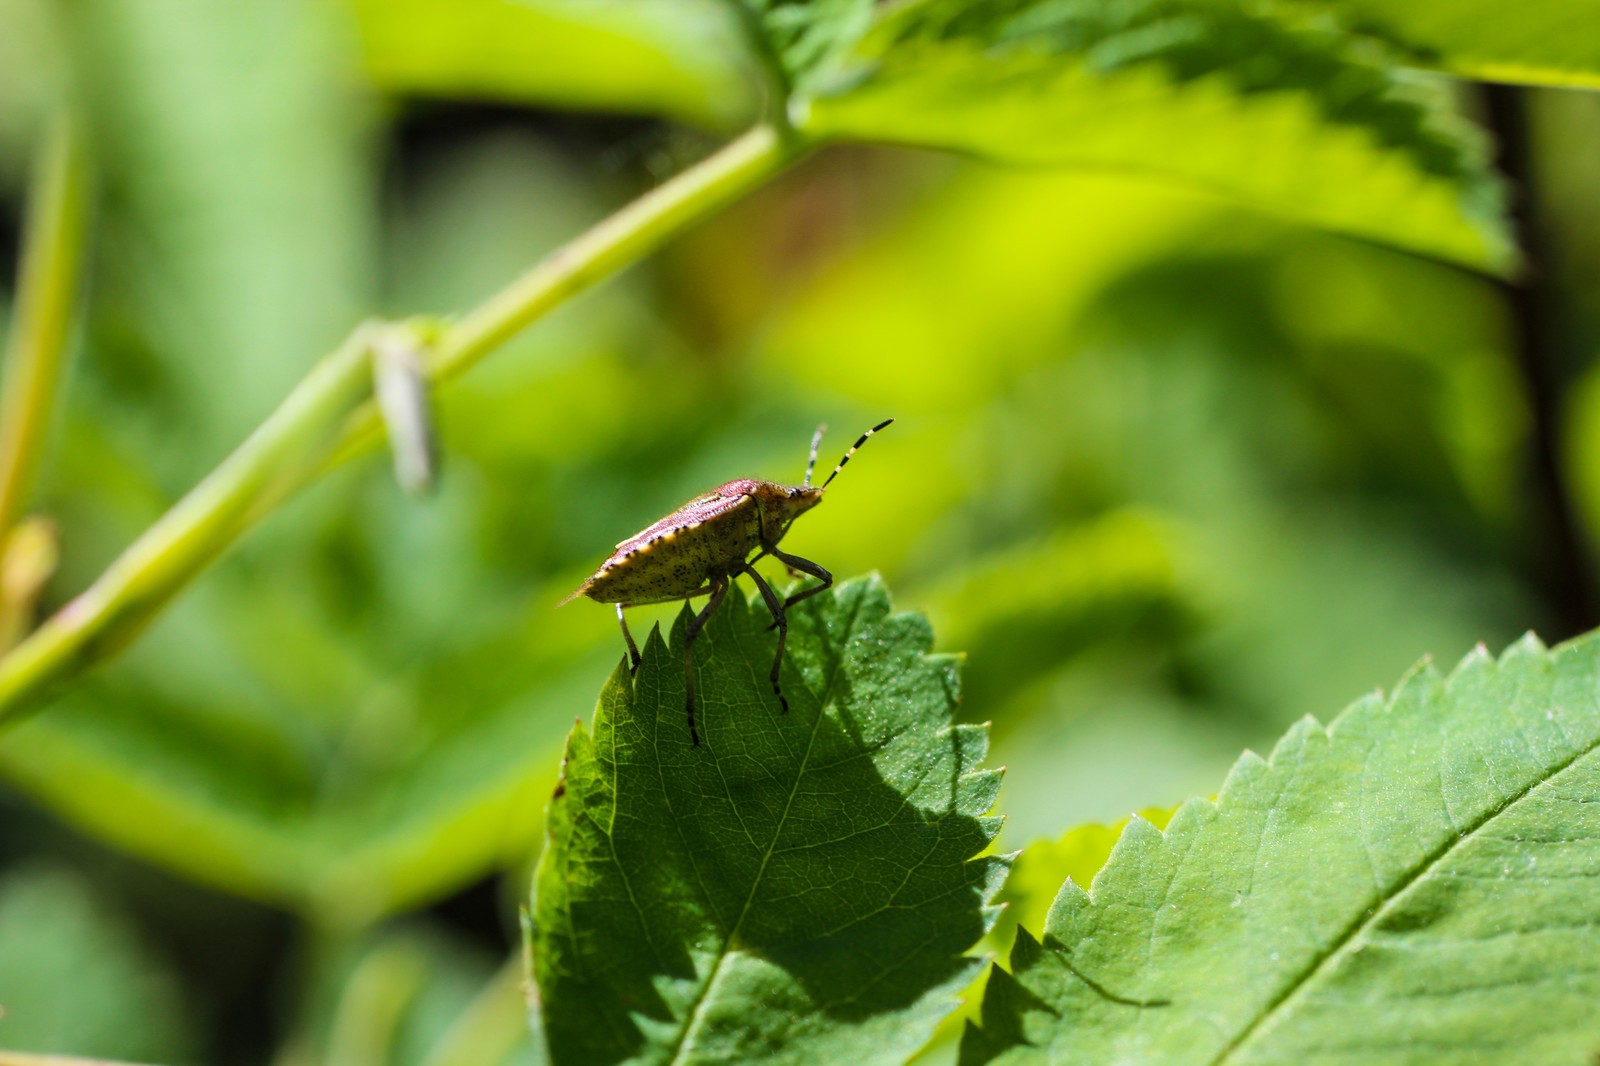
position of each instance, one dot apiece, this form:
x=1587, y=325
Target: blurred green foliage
x=681, y=60
x=72, y=974
x=1542, y=41
x=1174, y=472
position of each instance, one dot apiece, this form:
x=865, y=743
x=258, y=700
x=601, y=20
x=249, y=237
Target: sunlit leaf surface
x=1287, y=114
x=1417, y=882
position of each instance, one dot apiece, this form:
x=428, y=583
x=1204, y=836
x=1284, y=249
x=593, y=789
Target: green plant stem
x=47, y=288
x=617, y=241
x=330, y=416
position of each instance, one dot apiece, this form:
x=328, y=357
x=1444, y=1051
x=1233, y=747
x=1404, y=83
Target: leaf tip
x=1479, y=659
x=1248, y=762
x=1417, y=681
x=1247, y=769
x=1306, y=732
x=1526, y=646
x=1191, y=816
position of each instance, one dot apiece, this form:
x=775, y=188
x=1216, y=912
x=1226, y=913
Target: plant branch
x=1561, y=562
x=47, y=287
x=330, y=417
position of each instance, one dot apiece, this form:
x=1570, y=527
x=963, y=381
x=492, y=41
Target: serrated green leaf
x=1418, y=882
x=1287, y=113
x=799, y=888
x=1537, y=42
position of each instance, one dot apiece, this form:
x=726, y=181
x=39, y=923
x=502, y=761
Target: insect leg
x=804, y=566
x=633, y=649
x=719, y=588
x=781, y=621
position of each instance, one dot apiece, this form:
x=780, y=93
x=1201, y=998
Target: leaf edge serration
x=1003, y=1030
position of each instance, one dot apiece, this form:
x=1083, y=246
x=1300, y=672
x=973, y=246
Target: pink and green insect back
x=701, y=547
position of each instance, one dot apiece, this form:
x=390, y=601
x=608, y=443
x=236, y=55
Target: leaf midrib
x=1370, y=918
x=703, y=996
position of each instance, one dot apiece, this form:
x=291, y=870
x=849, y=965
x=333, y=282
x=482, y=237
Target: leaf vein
x=1369, y=918
x=703, y=996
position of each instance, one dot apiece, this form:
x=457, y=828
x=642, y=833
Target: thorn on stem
x=402, y=393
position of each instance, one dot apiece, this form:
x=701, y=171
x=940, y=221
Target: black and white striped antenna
x=811, y=463
x=859, y=442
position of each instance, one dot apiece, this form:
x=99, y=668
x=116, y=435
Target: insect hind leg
x=719, y=589
x=780, y=621
x=633, y=649
x=805, y=566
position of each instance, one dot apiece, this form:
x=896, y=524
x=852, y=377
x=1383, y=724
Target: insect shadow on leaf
x=701, y=547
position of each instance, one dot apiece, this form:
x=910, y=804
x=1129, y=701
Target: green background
x=1171, y=472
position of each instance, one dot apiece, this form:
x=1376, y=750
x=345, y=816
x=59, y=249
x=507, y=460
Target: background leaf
x=413, y=995
x=800, y=887
x=1286, y=113
x=1414, y=883
x=75, y=979
x=32, y=70
x=1541, y=42
x=1036, y=874
x=684, y=59
x=1040, y=869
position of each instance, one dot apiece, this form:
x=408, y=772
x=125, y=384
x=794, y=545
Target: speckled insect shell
x=709, y=537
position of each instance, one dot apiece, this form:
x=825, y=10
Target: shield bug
x=701, y=547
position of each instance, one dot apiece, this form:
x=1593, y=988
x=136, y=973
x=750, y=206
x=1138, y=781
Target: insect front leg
x=633, y=649
x=781, y=622
x=719, y=588
x=806, y=566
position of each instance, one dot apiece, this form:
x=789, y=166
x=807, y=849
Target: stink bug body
x=701, y=547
